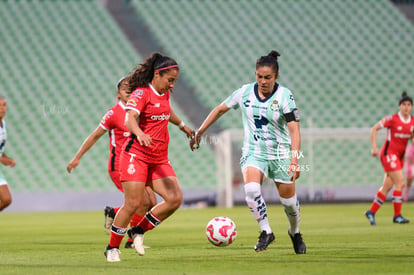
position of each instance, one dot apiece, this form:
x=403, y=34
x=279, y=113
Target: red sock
x=117, y=234
x=117, y=209
x=397, y=202
x=149, y=221
x=136, y=219
x=378, y=201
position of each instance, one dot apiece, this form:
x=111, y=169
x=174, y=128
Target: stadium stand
x=338, y=52
x=60, y=63
x=346, y=62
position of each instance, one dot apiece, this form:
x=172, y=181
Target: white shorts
x=274, y=169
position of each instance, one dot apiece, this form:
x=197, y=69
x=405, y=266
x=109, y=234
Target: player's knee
x=174, y=200
x=146, y=204
x=5, y=202
x=131, y=206
x=291, y=204
x=252, y=190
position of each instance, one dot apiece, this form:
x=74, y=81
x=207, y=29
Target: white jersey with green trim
x=3, y=136
x=266, y=134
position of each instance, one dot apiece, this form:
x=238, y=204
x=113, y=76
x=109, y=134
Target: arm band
x=181, y=125
x=292, y=116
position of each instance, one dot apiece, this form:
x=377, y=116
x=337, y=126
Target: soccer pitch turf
x=338, y=236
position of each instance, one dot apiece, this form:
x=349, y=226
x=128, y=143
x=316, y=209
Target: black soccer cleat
x=371, y=217
x=298, y=244
x=400, y=219
x=129, y=245
x=264, y=240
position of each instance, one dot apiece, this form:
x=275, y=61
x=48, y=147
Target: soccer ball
x=221, y=231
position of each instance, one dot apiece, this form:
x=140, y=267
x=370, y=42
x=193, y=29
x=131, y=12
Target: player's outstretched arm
x=215, y=114
x=5, y=160
x=174, y=119
x=86, y=145
x=294, y=131
x=373, y=135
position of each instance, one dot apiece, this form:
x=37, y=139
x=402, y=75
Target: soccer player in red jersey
x=144, y=157
x=400, y=128
x=113, y=123
x=409, y=168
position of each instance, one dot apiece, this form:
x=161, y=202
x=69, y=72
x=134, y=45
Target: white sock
x=257, y=205
x=292, y=211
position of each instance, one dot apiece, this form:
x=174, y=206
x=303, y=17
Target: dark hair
x=405, y=97
x=269, y=60
x=143, y=74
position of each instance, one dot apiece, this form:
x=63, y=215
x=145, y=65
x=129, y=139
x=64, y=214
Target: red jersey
x=398, y=133
x=153, y=109
x=114, y=122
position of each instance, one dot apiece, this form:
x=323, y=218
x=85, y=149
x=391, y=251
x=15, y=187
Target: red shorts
x=134, y=169
x=392, y=162
x=116, y=179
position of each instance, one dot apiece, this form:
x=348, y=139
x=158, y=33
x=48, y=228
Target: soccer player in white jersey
x=5, y=196
x=271, y=142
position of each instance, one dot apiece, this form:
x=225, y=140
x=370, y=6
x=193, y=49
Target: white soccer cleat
x=139, y=244
x=112, y=255
x=136, y=234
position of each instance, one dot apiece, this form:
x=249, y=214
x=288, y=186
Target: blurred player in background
x=5, y=196
x=144, y=157
x=409, y=168
x=113, y=123
x=271, y=142
x=400, y=128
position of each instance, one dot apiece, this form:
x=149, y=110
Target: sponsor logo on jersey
x=138, y=92
x=401, y=135
x=260, y=121
x=132, y=102
x=160, y=117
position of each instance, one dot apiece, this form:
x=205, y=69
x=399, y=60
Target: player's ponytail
x=271, y=59
x=143, y=74
x=405, y=97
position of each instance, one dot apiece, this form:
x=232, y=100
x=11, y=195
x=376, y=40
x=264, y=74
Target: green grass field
x=338, y=237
